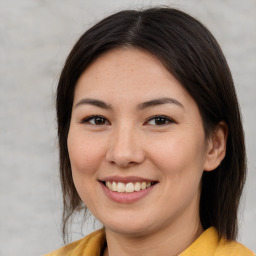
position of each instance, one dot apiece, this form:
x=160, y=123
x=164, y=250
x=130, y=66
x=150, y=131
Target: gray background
x=35, y=38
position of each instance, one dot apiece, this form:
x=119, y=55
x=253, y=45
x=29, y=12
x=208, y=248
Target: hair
x=192, y=55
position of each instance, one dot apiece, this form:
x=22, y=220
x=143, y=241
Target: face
x=136, y=144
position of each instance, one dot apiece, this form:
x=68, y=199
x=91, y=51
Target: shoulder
x=209, y=244
x=232, y=248
x=89, y=245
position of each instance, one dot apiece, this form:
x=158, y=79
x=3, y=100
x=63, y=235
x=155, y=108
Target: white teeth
x=128, y=187
x=121, y=187
x=114, y=186
x=109, y=185
x=143, y=185
x=137, y=186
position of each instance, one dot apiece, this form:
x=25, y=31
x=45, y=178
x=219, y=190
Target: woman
x=150, y=138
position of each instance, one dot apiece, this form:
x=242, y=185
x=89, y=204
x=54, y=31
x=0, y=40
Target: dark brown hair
x=191, y=54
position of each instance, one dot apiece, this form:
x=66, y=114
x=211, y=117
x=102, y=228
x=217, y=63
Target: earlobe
x=216, y=149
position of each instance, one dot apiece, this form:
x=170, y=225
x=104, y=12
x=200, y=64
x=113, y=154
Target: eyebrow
x=94, y=102
x=147, y=104
x=160, y=101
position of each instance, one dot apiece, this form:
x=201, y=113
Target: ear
x=216, y=148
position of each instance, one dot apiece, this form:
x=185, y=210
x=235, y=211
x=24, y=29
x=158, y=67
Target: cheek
x=84, y=154
x=85, y=157
x=180, y=164
x=179, y=155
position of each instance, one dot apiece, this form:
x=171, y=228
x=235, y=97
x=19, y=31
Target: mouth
x=128, y=187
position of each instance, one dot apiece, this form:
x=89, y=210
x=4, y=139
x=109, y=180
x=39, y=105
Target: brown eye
x=96, y=120
x=159, y=120
x=99, y=120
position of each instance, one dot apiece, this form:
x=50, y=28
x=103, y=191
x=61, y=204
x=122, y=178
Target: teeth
x=127, y=188
x=109, y=185
x=121, y=187
x=114, y=186
x=143, y=185
x=137, y=186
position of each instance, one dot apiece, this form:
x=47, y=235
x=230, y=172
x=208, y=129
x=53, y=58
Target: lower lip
x=126, y=198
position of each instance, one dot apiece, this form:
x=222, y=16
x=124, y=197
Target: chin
x=132, y=228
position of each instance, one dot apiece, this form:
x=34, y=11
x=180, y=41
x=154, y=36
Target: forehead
x=126, y=61
x=128, y=73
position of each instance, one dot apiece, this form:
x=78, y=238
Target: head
x=192, y=56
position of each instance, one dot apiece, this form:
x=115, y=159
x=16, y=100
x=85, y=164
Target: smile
x=127, y=190
x=129, y=187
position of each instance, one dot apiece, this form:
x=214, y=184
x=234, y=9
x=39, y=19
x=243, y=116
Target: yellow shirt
x=208, y=244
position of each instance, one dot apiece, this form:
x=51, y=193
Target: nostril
x=125, y=151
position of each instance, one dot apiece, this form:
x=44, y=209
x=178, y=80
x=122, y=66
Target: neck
x=169, y=241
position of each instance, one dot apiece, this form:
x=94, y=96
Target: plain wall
x=35, y=38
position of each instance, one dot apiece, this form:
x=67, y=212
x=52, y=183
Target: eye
x=159, y=120
x=96, y=120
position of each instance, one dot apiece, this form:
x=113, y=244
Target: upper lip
x=126, y=179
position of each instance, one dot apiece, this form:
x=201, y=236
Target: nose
x=125, y=148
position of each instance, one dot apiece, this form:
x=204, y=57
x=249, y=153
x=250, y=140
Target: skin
x=129, y=141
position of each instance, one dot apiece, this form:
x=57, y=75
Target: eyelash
x=90, y=118
x=166, y=119
x=160, y=118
